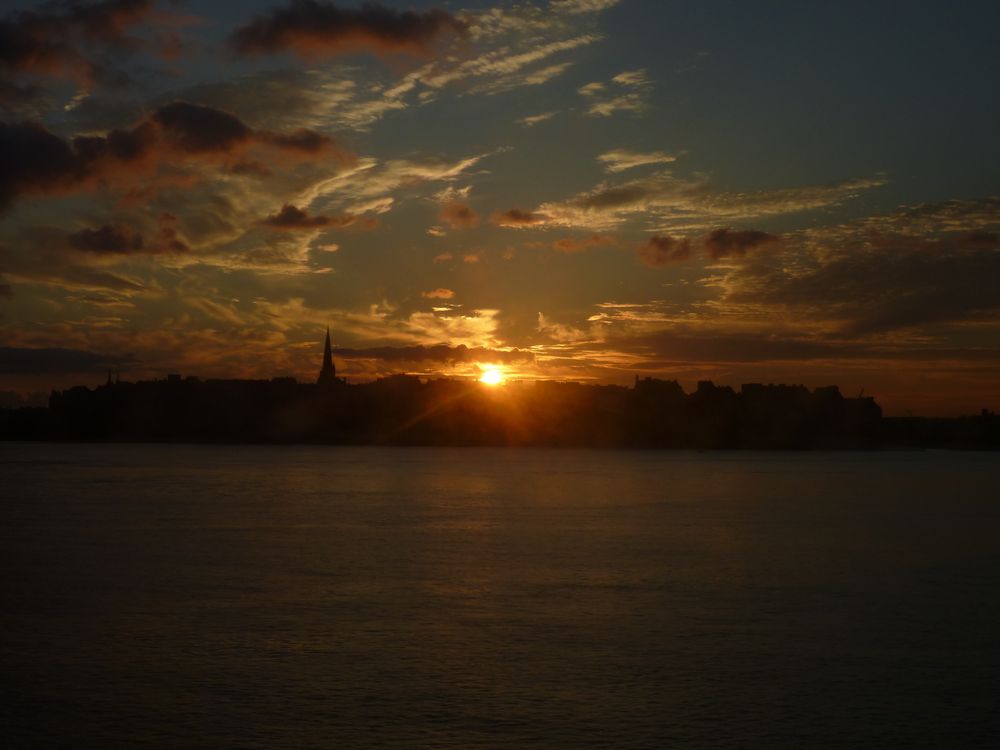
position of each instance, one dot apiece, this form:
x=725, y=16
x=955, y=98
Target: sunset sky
x=572, y=189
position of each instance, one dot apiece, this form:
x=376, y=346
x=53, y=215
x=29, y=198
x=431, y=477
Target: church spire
x=327, y=375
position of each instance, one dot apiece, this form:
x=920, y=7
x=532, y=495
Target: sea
x=204, y=596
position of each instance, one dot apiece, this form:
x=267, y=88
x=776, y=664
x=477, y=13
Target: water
x=301, y=597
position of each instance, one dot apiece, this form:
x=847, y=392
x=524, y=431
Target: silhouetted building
x=405, y=410
x=328, y=373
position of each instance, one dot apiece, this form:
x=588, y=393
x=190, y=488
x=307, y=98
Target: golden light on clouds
x=216, y=223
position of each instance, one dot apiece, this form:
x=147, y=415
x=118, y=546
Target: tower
x=328, y=374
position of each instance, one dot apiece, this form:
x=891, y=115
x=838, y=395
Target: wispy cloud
x=620, y=159
x=371, y=185
x=626, y=92
x=665, y=200
x=500, y=63
x=582, y=6
x=531, y=20
x=532, y=120
x=532, y=78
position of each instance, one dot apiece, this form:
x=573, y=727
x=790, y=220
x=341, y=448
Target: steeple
x=327, y=375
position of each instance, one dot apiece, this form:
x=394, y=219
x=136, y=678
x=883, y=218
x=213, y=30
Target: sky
x=582, y=190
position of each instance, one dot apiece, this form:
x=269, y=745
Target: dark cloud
x=518, y=218
x=664, y=251
x=118, y=146
x=117, y=239
x=313, y=29
x=292, y=218
x=38, y=162
x=883, y=283
x=34, y=161
x=732, y=243
x=679, y=345
x=23, y=361
x=170, y=46
x=900, y=282
x=688, y=345
x=437, y=353
x=270, y=99
x=459, y=215
x=573, y=245
x=5, y=291
x=16, y=97
x=110, y=238
x=302, y=140
x=982, y=239
x=53, y=40
x=195, y=129
x=931, y=218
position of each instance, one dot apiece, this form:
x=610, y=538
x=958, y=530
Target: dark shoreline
x=405, y=411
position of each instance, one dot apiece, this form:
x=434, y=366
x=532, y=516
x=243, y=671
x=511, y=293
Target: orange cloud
x=664, y=250
x=50, y=40
x=570, y=245
x=459, y=215
x=314, y=30
x=518, y=218
x=439, y=293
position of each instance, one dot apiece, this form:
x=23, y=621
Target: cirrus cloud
x=688, y=203
x=620, y=159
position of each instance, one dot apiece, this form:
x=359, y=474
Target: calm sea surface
x=326, y=597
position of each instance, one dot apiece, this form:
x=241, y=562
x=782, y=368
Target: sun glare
x=491, y=376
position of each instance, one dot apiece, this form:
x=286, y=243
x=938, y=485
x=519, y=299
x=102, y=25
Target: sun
x=491, y=376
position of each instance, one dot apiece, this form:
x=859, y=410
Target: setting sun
x=492, y=376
